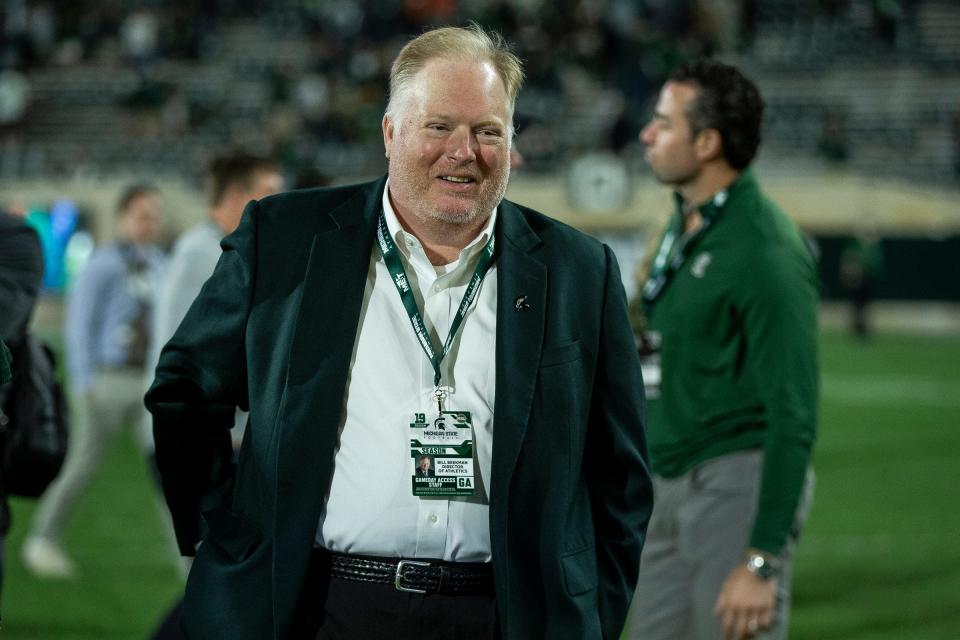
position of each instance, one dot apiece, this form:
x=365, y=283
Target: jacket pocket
x=229, y=594
x=234, y=533
x=580, y=571
x=560, y=354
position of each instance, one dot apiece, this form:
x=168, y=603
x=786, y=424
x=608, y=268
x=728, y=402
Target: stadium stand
x=304, y=80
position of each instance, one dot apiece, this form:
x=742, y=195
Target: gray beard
x=434, y=217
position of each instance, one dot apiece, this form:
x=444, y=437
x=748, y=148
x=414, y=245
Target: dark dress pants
x=337, y=609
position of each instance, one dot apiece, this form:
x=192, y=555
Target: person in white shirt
x=234, y=178
x=366, y=326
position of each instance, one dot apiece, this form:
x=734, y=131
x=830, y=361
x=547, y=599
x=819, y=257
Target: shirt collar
x=400, y=236
x=714, y=206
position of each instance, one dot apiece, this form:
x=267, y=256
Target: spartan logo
x=401, y=281
x=700, y=264
x=440, y=423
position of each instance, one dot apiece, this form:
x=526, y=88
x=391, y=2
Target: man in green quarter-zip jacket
x=731, y=301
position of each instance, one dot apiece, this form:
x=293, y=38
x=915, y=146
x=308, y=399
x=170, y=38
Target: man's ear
x=708, y=145
x=387, y=125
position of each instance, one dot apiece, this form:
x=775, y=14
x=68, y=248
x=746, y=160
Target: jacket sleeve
x=616, y=463
x=780, y=318
x=200, y=380
x=5, y=373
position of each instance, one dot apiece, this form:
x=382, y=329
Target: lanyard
x=391, y=256
x=676, y=246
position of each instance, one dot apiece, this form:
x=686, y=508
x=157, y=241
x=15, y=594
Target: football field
x=879, y=560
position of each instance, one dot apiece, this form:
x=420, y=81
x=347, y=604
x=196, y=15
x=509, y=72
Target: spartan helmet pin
x=520, y=304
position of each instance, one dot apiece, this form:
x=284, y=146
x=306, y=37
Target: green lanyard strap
x=391, y=256
x=676, y=246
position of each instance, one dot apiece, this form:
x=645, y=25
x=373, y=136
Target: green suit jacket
x=5, y=374
x=272, y=332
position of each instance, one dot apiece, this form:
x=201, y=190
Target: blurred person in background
x=108, y=318
x=326, y=317
x=861, y=269
x=21, y=270
x=309, y=178
x=234, y=179
x=731, y=300
x=14, y=103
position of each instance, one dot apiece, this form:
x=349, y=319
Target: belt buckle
x=399, y=575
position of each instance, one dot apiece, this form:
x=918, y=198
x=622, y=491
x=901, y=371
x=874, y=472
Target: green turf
x=880, y=559
x=127, y=577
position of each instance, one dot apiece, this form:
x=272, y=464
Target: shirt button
x=433, y=518
x=437, y=287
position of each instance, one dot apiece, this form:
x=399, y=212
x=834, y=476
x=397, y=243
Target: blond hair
x=457, y=43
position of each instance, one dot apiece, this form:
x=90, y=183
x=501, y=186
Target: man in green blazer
x=365, y=326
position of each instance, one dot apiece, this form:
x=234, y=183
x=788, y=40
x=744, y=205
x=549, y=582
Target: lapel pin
x=520, y=304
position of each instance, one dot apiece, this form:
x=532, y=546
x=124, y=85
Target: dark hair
x=236, y=167
x=133, y=192
x=728, y=102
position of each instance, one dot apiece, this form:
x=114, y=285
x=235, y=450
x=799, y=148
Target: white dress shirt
x=371, y=509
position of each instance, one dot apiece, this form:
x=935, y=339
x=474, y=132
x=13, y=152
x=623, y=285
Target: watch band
x=763, y=566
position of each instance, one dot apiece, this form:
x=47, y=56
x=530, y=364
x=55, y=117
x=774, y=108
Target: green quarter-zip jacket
x=737, y=320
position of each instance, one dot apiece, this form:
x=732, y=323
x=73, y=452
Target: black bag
x=33, y=421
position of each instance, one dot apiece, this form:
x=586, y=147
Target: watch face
x=599, y=183
x=761, y=567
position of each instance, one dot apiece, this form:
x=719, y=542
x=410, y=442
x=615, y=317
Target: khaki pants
x=114, y=400
x=699, y=532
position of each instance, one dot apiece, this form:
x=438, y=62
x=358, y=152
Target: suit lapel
x=333, y=287
x=521, y=313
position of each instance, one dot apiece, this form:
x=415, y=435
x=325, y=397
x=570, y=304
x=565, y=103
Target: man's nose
x=462, y=145
x=646, y=134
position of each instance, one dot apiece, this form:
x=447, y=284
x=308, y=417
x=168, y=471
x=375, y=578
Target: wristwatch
x=763, y=566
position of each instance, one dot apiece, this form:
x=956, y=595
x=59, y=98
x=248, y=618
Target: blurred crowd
x=335, y=95
x=592, y=66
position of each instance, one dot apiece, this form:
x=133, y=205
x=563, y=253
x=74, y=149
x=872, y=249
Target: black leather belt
x=414, y=576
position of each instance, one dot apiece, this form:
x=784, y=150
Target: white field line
x=891, y=388
x=851, y=544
